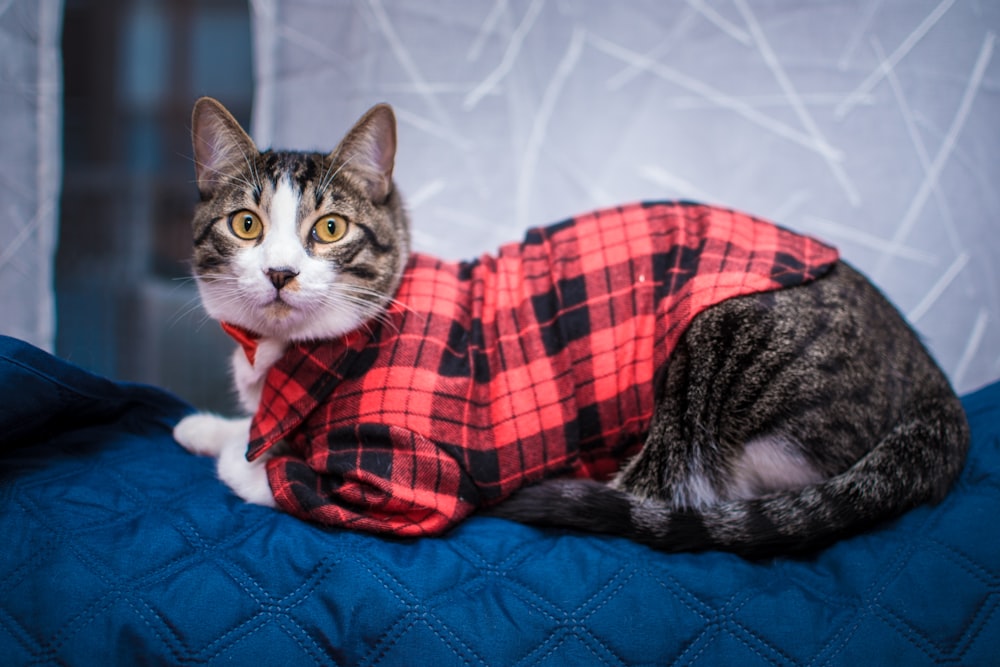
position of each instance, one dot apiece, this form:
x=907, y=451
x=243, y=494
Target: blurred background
x=123, y=77
x=869, y=123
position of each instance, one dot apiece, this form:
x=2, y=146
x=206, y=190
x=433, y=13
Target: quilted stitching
x=123, y=549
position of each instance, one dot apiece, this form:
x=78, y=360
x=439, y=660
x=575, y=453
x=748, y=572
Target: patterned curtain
x=869, y=124
x=30, y=113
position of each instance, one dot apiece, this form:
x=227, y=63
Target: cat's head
x=294, y=245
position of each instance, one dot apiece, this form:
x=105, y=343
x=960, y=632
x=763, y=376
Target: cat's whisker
x=256, y=187
x=327, y=182
x=379, y=313
x=327, y=178
x=183, y=312
x=357, y=296
x=225, y=175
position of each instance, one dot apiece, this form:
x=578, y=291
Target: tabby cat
x=777, y=421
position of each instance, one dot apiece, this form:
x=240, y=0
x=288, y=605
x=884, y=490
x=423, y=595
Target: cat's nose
x=281, y=276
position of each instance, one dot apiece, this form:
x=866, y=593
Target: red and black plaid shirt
x=495, y=373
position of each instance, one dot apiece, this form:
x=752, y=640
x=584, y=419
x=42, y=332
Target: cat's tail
x=894, y=476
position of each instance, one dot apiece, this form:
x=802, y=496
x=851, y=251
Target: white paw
x=226, y=439
x=248, y=480
x=208, y=435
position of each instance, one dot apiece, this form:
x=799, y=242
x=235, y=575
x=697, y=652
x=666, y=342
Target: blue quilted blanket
x=120, y=548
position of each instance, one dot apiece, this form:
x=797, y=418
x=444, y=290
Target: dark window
x=132, y=70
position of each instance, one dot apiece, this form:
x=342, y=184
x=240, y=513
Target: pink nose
x=281, y=276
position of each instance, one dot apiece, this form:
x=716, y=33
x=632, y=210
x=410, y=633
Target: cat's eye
x=246, y=225
x=329, y=229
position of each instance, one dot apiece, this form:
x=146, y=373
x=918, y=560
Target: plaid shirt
x=491, y=374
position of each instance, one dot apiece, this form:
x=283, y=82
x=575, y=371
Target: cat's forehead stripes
x=311, y=173
x=298, y=168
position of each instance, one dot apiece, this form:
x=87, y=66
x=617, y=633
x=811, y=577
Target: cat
x=772, y=419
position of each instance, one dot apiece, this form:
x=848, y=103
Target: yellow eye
x=329, y=229
x=246, y=225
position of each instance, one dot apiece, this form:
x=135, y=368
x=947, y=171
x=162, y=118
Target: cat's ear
x=369, y=150
x=220, y=144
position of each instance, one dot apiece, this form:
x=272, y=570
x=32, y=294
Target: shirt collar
x=300, y=382
x=247, y=339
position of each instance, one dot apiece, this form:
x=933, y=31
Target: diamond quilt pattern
x=122, y=549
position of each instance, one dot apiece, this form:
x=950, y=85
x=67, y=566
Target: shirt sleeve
x=374, y=478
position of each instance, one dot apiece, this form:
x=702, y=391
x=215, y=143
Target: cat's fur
x=784, y=420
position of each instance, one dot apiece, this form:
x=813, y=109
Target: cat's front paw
x=226, y=439
x=247, y=479
x=208, y=435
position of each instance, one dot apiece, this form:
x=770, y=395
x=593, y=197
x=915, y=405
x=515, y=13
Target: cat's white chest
x=249, y=378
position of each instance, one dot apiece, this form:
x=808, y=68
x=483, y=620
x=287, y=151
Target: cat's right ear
x=369, y=150
x=220, y=144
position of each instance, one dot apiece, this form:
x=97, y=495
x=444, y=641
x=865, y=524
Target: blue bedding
x=121, y=548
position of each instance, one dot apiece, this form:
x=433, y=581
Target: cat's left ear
x=220, y=144
x=369, y=150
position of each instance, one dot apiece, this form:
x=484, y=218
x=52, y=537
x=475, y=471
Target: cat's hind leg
x=226, y=440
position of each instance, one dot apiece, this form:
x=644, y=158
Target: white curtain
x=30, y=113
x=872, y=124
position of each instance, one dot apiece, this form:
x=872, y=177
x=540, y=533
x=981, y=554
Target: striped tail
x=915, y=463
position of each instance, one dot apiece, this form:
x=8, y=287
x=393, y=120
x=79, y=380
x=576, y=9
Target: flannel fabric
x=492, y=374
